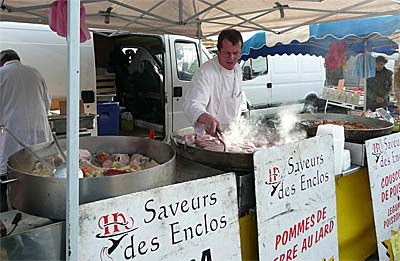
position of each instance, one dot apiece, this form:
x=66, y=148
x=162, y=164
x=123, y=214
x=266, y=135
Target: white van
x=43, y=49
x=151, y=87
x=274, y=81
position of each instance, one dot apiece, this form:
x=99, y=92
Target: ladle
x=58, y=172
x=63, y=156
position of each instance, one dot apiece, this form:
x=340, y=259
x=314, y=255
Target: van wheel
x=310, y=105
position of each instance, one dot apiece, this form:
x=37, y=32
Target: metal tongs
x=58, y=172
x=220, y=136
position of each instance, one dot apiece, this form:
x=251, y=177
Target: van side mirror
x=247, y=73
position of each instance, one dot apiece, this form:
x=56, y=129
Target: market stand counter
x=356, y=230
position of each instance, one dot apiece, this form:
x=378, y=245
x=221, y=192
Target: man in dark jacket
x=380, y=86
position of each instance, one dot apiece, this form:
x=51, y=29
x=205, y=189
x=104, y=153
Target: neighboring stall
x=55, y=230
x=337, y=42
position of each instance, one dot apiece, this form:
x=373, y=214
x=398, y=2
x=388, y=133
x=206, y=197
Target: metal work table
x=351, y=170
x=187, y=170
x=37, y=238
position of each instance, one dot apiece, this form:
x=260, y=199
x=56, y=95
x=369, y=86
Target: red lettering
x=384, y=196
x=326, y=230
x=115, y=217
x=290, y=254
x=292, y=231
x=376, y=148
x=307, y=223
x=285, y=237
x=312, y=220
x=118, y=219
x=300, y=227
x=277, y=240
x=102, y=223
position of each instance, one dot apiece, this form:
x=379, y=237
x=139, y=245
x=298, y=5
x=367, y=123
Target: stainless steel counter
x=58, y=123
x=351, y=170
x=37, y=238
x=187, y=170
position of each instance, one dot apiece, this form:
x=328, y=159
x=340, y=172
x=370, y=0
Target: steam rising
x=257, y=132
x=287, y=127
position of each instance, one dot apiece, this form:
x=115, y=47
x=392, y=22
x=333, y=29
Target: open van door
x=184, y=53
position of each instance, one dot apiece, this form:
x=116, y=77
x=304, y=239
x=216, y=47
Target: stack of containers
x=338, y=143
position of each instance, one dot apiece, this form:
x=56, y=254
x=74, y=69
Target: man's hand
x=211, y=125
x=379, y=100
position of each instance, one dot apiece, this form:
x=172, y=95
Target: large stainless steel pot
x=378, y=127
x=226, y=161
x=45, y=196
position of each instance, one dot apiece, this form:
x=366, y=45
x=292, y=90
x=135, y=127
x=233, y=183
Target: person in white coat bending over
x=24, y=106
x=216, y=94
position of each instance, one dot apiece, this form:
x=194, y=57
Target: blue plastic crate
x=108, y=119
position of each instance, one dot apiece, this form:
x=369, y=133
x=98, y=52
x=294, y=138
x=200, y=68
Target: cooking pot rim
x=172, y=159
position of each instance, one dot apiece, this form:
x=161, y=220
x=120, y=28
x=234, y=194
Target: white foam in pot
x=338, y=142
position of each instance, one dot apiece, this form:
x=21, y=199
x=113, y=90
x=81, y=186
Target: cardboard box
x=353, y=98
x=329, y=93
x=341, y=96
x=63, y=107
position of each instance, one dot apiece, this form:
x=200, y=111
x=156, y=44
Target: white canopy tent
x=196, y=18
x=185, y=16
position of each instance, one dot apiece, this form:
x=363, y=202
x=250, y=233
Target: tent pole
x=196, y=15
x=328, y=15
x=139, y=17
x=72, y=219
x=160, y=17
x=200, y=36
x=122, y=17
x=365, y=72
x=244, y=20
x=44, y=6
x=180, y=11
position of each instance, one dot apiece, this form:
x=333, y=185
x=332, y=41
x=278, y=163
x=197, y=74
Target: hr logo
x=376, y=148
x=274, y=179
x=274, y=176
x=112, y=226
x=376, y=151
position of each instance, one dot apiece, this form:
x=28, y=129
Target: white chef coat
x=216, y=91
x=24, y=105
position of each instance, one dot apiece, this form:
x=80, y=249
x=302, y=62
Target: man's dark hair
x=381, y=59
x=8, y=55
x=231, y=35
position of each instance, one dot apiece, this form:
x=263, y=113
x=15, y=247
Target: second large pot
x=377, y=128
x=226, y=161
x=45, y=196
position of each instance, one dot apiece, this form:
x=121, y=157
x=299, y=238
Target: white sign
x=191, y=221
x=383, y=156
x=296, y=201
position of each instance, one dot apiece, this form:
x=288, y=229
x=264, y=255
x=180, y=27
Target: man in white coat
x=24, y=105
x=216, y=95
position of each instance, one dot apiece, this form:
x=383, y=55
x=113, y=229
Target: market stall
x=336, y=42
x=355, y=222
x=10, y=12
x=355, y=214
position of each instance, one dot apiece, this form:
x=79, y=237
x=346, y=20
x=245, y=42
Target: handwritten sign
x=296, y=201
x=383, y=156
x=196, y=220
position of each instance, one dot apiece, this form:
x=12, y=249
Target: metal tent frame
x=212, y=15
